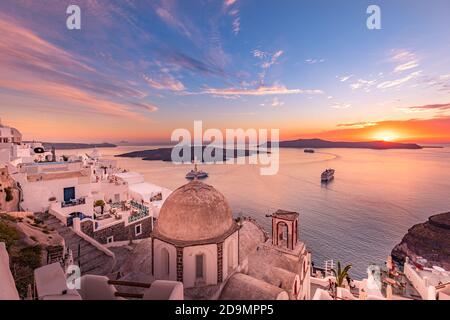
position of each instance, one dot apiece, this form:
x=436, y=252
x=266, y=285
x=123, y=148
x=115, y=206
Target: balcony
x=73, y=203
x=139, y=211
x=138, y=216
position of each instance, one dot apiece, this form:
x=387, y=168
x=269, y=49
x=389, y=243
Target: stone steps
x=90, y=259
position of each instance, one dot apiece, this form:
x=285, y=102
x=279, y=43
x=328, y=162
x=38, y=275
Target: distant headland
x=165, y=154
x=67, y=146
x=320, y=144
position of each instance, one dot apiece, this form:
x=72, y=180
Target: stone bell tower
x=285, y=229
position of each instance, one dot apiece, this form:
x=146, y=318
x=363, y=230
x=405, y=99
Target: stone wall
x=87, y=227
x=119, y=231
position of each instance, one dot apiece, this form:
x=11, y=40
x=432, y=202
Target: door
x=69, y=194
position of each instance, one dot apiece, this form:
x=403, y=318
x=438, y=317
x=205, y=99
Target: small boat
x=309, y=151
x=195, y=174
x=328, y=175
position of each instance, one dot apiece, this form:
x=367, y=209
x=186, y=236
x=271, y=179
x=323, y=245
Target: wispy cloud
x=402, y=55
x=357, y=125
x=260, y=91
x=166, y=12
x=407, y=59
x=164, y=81
x=268, y=60
x=398, y=82
x=314, y=61
x=230, y=7
x=229, y=3
x=184, y=61
x=407, y=66
x=431, y=107
x=344, y=78
x=275, y=102
x=236, y=25
x=366, y=85
x=341, y=106
x=35, y=67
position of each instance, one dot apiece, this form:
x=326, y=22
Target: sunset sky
x=139, y=69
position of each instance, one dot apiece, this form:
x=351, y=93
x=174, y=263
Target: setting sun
x=386, y=136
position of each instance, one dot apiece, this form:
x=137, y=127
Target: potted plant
x=341, y=274
x=101, y=204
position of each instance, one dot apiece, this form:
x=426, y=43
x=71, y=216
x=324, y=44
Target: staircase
x=90, y=259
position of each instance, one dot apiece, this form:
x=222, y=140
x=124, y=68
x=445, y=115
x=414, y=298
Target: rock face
x=430, y=240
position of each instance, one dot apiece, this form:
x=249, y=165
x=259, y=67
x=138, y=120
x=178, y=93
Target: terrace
x=127, y=211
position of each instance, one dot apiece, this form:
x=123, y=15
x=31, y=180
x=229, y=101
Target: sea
x=357, y=219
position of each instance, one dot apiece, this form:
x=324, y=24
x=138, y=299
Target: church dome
x=194, y=212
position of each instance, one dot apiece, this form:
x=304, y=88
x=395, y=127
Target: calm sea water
x=358, y=218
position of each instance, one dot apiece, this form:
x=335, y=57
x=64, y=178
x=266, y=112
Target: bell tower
x=285, y=229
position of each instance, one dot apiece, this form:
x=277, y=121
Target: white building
x=197, y=242
x=86, y=186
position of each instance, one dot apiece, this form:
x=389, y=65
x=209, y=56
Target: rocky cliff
x=430, y=240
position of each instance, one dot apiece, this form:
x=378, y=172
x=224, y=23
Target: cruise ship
x=327, y=175
x=195, y=174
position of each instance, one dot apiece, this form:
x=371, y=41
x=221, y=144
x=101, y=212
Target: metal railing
x=73, y=203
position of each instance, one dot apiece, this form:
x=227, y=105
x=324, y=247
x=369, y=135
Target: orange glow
x=386, y=136
x=414, y=130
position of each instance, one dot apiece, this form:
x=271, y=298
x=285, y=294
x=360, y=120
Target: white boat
x=327, y=175
x=195, y=174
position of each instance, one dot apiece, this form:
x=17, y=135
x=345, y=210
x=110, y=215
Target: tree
x=101, y=204
x=341, y=274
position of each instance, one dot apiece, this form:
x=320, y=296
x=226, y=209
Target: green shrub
x=30, y=256
x=8, y=235
x=24, y=262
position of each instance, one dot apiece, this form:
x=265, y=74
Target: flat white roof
x=131, y=177
x=145, y=188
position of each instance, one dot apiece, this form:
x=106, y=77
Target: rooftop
x=55, y=176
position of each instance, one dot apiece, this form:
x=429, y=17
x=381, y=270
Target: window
x=199, y=268
x=69, y=194
x=138, y=230
x=110, y=239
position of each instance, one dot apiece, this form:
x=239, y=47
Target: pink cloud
x=260, y=91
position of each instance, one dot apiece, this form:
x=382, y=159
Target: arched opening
x=165, y=263
x=296, y=288
x=200, y=267
x=230, y=257
x=283, y=234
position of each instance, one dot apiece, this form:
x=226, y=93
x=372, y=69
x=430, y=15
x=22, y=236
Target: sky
x=137, y=70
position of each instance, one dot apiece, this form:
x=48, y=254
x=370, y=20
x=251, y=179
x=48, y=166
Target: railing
x=73, y=203
x=117, y=205
x=139, y=206
x=143, y=212
x=135, y=217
